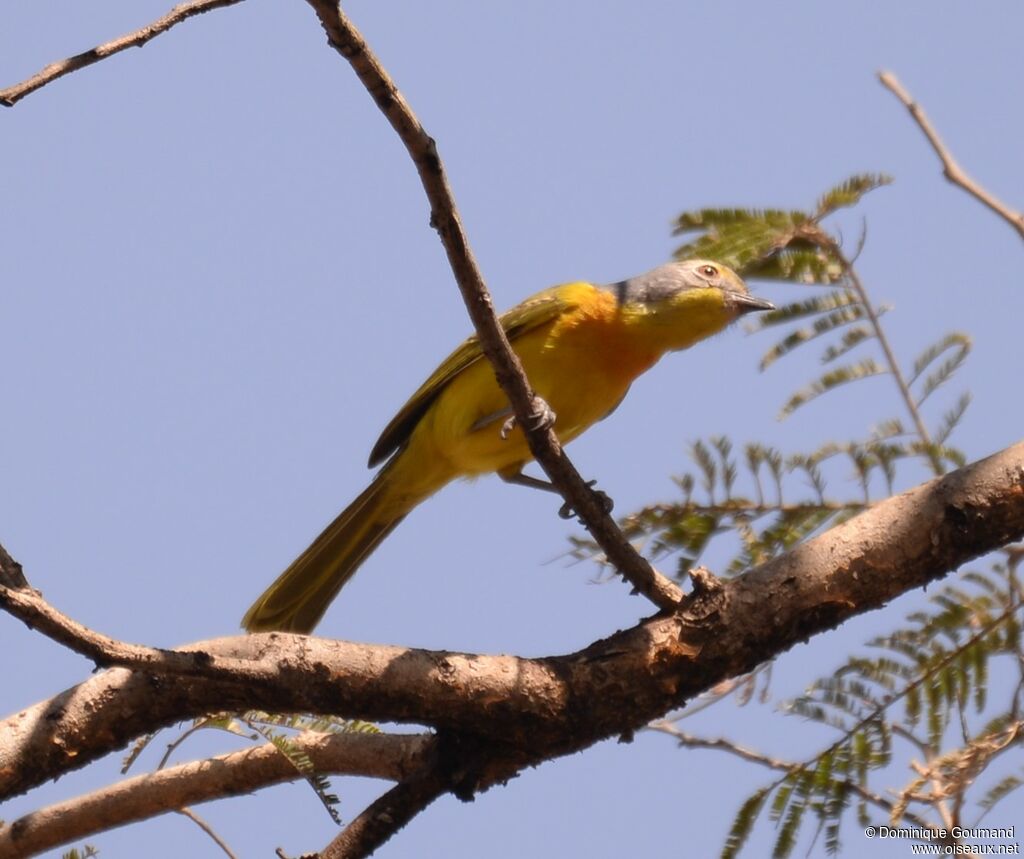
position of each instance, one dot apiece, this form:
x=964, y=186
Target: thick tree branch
x=13, y=94
x=444, y=217
x=950, y=168
x=394, y=757
x=524, y=711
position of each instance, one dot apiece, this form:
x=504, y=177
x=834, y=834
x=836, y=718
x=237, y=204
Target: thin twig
x=543, y=442
x=950, y=168
x=692, y=741
x=29, y=606
x=444, y=217
x=890, y=357
x=202, y=824
x=13, y=94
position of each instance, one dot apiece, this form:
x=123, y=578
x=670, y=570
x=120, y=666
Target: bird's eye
x=709, y=271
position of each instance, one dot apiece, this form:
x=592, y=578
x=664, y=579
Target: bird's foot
x=604, y=499
x=542, y=417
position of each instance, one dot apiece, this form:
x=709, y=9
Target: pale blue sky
x=218, y=283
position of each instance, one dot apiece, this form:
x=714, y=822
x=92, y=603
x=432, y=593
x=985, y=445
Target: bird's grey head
x=666, y=281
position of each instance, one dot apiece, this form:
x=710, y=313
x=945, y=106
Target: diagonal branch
x=444, y=217
x=13, y=94
x=525, y=711
x=385, y=756
x=202, y=824
x=950, y=168
x=528, y=408
x=890, y=357
x=29, y=606
x=386, y=815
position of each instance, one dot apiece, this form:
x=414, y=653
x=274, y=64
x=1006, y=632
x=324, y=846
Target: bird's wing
x=526, y=316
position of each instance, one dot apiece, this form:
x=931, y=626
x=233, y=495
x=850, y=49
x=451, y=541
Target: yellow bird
x=582, y=345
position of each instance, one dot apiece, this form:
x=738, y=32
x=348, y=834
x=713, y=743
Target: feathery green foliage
x=278, y=730
x=925, y=684
x=264, y=725
x=753, y=240
x=795, y=246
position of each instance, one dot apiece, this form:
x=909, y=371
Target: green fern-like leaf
x=952, y=341
x=723, y=447
x=738, y=245
x=816, y=305
x=790, y=829
x=805, y=265
x=707, y=464
x=890, y=428
x=833, y=844
x=848, y=342
x=941, y=375
x=298, y=758
x=789, y=528
x=830, y=381
x=850, y=191
x=999, y=791
x=822, y=325
x=743, y=823
x=715, y=219
x=782, y=798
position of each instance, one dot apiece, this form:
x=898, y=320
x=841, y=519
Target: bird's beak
x=744, y=302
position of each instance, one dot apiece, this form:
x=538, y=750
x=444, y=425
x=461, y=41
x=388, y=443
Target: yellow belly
x=579, y=366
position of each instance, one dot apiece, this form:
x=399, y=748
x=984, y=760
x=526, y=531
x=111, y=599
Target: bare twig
x=385, y=756
x=13, y=94
x=890, y=358
x=202, y=824
x=444, y=217
x=950, y=168
x=28, y=605
x=542, y=440
x=691, y=741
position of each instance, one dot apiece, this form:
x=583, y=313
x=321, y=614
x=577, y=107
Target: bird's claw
x=604, y=499
x=543, y=417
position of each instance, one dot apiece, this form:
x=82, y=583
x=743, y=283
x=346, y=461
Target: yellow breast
x=582, y=364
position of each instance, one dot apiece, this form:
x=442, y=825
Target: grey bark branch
x=136, y=39
x=520, y=712
x=951, y=169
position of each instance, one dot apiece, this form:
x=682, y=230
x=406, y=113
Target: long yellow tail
x=297, y=599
